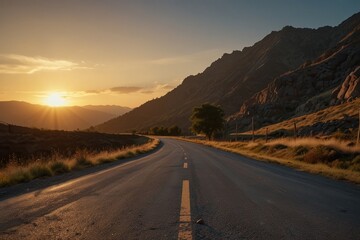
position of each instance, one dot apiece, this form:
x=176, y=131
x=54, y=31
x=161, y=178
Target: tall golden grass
x=55, y=165
x=338, y=144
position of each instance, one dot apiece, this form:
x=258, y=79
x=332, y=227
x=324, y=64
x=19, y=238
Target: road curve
x=163, y=194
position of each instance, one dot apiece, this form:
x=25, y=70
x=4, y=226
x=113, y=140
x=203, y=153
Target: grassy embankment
x=54, y=165
x=329, y=157
x=329, y=114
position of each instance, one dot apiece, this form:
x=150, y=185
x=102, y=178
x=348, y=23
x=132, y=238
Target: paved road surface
x=160, y=197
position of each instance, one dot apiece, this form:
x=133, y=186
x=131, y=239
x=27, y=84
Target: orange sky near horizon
x=33, y=79
x=128, y=52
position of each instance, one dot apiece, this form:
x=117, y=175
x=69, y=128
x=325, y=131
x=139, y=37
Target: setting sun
x=55, y=100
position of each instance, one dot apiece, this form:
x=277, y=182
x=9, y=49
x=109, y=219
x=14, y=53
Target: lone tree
x=207, y=119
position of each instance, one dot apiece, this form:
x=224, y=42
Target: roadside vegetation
x=207, y=119
x=164, y=131
x=15, y=172
x=330, y=157
x=339, y=121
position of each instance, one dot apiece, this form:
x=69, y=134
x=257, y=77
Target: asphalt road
x=159, y=197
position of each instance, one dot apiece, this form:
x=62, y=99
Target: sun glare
x=55, y=100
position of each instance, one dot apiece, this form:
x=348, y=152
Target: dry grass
x=329, y=157
x=329, y=114
x=341, y=145
x=15, y=173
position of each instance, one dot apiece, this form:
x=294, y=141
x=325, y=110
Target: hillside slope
x=111, y=109
x=235, y=78
x=326, y=81
x=341, y=120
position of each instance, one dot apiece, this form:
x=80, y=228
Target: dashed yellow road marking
x=185, y=165
x=185, y=213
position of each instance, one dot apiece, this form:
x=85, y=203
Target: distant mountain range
x=111, y=109
x=61, y=118
x=288, y=73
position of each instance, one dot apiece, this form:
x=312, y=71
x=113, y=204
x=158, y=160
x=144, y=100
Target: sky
x=128, y=52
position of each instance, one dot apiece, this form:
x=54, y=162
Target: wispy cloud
x=93, y=91
x=158, y=88
x=125, y=89
x=20, y=64
x=147, y=91
x=167, y=87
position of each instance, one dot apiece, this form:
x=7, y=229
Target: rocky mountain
x=325, y=81
x=350, y=88
x=111, y=109
x=284, y=74
x=340, y=121
x=39, y=116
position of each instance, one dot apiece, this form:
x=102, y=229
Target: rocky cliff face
x=289, y=72
x=350, y=89
x=315, y=85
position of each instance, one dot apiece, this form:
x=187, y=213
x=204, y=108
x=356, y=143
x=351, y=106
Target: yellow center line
x=185, y=213
x=185, y=165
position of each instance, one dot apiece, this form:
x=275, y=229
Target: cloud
x=93, y=91
x=159, y=88
x=147, y=91
x=167, y=87
x=125, y=89
x=20, y=64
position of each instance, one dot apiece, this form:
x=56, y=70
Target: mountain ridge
x=310, y=88
x=111, y=109
x=59, y=118
x=235, y=78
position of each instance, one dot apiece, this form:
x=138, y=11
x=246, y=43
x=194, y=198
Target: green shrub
x=81, y=163
x=59, y=167
x=19, y=176
x=139, y=151
x=122, y=156
x=130, y=154
x=106, y=160
x=37, y=171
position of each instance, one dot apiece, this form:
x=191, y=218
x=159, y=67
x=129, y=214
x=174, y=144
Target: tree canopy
x=207, y=119
x=165, y=131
